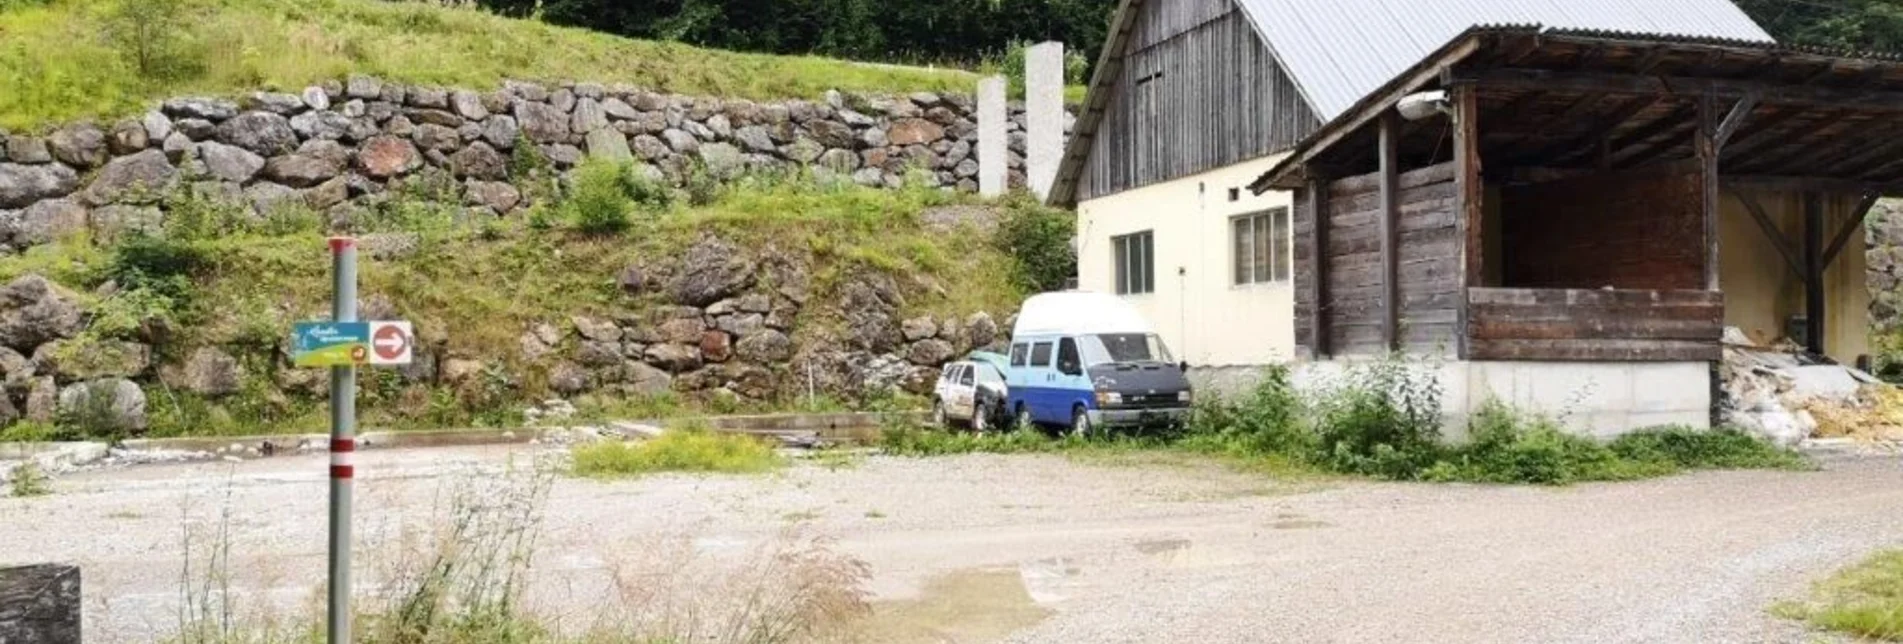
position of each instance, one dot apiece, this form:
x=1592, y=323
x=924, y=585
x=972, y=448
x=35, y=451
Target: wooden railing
x=1596, y=325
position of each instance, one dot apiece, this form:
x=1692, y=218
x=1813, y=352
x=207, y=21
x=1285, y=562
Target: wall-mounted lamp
x=1415, y=107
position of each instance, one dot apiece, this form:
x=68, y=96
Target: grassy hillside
x=68, y=59
x=221, y=278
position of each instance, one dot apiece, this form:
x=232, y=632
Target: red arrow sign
x=390, y=342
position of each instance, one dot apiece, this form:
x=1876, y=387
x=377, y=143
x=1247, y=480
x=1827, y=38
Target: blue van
x=1089, y=361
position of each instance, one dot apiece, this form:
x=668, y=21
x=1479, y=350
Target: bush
x=1039, y=240
x=680, y=450
x=152, y=36
x=1269, y=420
x=913, y=440
x=605, y=194
x=1382, y=419
x=27, y=480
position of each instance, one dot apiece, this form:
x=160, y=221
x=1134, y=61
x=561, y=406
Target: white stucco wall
x=1203, y=316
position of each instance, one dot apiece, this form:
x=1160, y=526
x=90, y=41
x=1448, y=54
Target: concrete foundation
x=1043, y=115
x=993, y=146
x=1597, y=399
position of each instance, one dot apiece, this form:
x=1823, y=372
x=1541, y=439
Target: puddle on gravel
x=962, y=607
x=1300, y=524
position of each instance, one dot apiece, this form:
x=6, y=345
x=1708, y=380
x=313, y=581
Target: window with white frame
x=1261, y=243
x=1135, y=257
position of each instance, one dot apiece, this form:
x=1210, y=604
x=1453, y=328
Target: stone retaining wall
x=340, y=143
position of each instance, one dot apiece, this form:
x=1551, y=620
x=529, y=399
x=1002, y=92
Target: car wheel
x=1024, y=418
x=938, y=414
x=981, y=419
x=1079, y=421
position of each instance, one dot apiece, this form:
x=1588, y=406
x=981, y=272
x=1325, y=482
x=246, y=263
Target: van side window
x=1018, y=352
x=1041, y=354
x=1067, y=355
x=964, y=376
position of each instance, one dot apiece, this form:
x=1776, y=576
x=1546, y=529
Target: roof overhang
x=1096, y=102
x=1554, y=100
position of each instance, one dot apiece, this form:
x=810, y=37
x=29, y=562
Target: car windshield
x=1110, y=348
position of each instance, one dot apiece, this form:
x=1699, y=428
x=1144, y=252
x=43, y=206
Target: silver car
x=969, y=393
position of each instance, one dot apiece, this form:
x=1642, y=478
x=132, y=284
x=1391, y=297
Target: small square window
x=1134, y=256
x=1260, y=247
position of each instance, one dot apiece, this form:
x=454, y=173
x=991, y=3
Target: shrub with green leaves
x=1270, y=419
x=1382, y=418
x=605, y=195
x=1040, y=240
x=679, y=450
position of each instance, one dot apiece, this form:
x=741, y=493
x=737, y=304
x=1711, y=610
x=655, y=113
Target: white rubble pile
x=1767, y=390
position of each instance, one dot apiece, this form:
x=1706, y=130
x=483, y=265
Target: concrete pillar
x=994, y=156
x=1043, y=115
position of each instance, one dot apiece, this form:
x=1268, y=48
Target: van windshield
x=1113, y=348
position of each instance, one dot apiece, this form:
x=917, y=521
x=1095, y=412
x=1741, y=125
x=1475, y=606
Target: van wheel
x=1079, y=421
x=938, y=414
x=1024, y=418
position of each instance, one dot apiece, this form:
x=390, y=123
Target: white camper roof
x=1077, y=313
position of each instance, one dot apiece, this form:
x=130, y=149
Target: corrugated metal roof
x=1340, y=50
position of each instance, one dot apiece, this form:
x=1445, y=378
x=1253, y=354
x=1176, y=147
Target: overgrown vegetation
x=1042, y=240
x=678, y=450
x=58, y=64
x=220, y=276
x=27, y=480
x=1864, y=601
x=1383, y=419
x=463, y=576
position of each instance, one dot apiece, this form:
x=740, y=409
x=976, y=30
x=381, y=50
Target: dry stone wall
x=331, y=146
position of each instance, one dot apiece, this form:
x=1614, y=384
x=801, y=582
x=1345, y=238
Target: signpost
x=342, y=344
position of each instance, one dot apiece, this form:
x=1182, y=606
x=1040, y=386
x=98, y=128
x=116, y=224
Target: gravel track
x=1049, y=549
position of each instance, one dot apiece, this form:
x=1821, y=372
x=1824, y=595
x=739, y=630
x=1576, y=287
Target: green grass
x=681, y=450
x=27, y=480
x=1864, y=601
x=56, y=64
x=473, y=292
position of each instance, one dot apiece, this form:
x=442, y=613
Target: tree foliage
x=1843, y=24
x=885, y=30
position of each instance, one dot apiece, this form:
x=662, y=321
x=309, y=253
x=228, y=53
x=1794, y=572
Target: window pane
x=1067, y=352
x=964, y=377
x=1242, y=252
x=1283, y=253
x=1041, y=354
x=1018, y=352
x=1149, y=263
x=1119, y=257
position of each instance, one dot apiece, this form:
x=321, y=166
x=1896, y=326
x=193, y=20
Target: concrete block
x=1043, y=115
x=993, y=122
x=1672, y=388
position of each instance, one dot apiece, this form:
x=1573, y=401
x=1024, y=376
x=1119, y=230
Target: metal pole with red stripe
x=343, y=440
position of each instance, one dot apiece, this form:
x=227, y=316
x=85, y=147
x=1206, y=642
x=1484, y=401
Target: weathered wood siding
x=1596, y=325
x=1626, y=231
x=1198, y=91
x=1430, y=267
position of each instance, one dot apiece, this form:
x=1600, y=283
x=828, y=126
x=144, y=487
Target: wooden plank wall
x=1429, y=265
x=1597, y=325
x=1625, y=231
x=1198, y=90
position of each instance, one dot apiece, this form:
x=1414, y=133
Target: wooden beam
x=1601, y=131
x=1777, y=238
x=1851, y=226
x=1469, y=190
x=1390, y=225
x=1672, y=140
x=1884, y=143
x=1822, y=72
x=1673, y=121
x=1707, y=144
x=1781, y=183
x=1814, y=272
x=1367, y=110
x=1758, y=134
x=1811, y=152
x=1771, y=93
x=1768, y=160
x=1650, y=61
x=1318, y=290
x=1740, y=111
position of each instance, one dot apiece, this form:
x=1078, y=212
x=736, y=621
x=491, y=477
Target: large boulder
x=44, y=222
x=111, y=405
x=723, y=160
x=275, y=102
x=588, y=116
x=209, y=371
x=869, y=304
x=497, y=195
x=468, y=105
x=28, y=149
x=914, y=132
x=597, y=329
x=930, y=352
x=261, y=132
x=207, y=109
x=321, y=125
x=833, y=134
x=138, y=178
x=479, y=161
x=764, y=347
x=229, y=162
x=981, y=329
x=34, y=312
x=384, y=157
x=568, y=379
x=81, y=145
x=674, y=357
x=157, y=125
x=112, y=223
x=918, y=328
x=645, y=380
x=22, y=185
x=712, y=271
x=71, y=360
x=127, y=137
x=301, y=171
x=606, y=143
x=501, y=131
x=542, y=123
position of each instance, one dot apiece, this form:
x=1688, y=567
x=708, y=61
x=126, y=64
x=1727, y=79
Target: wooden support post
x=1468, y=220
x=1852, y=225
x=1319, y=310
x=1389, y=217
x=1814, y=272
x=1771, y=232
x=1707, y=144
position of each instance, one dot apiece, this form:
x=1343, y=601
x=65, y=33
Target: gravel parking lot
x=1049, y=548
